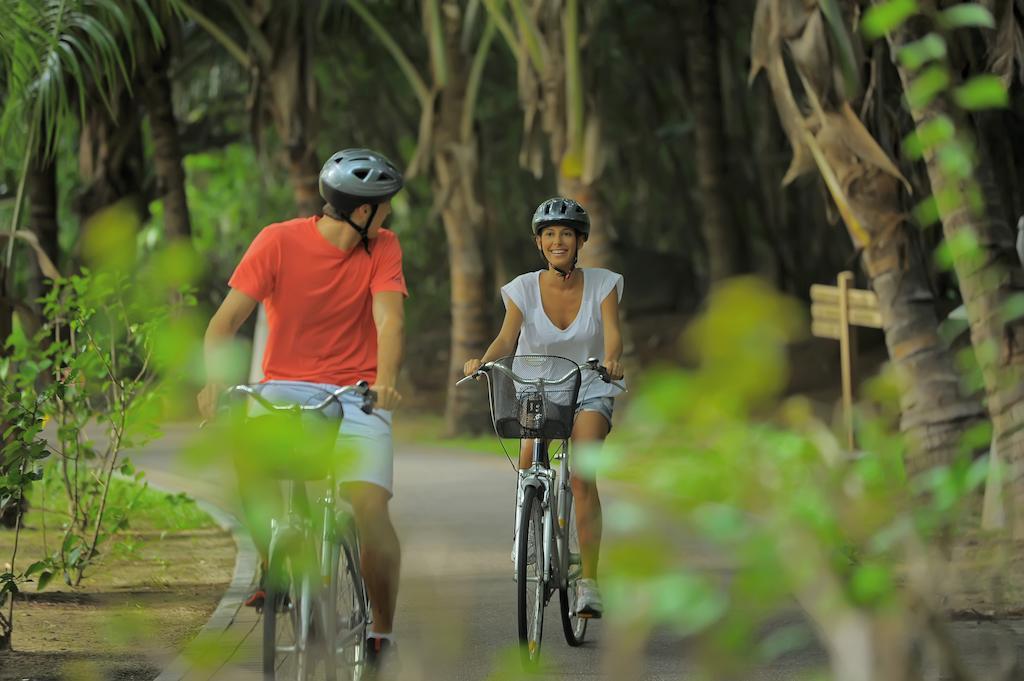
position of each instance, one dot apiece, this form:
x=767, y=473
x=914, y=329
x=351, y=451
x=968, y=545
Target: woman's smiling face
x=559, y=245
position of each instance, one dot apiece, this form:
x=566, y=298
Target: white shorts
x=368, y=434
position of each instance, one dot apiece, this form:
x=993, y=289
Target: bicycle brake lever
x=473, y=376
x=369, y=399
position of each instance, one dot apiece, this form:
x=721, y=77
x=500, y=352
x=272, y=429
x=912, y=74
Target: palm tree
x=56, y=56
x=726, y=245
x=558, y=111
x=988, y=272
x=447, y=151
x=865, y=185
x=281, y=41
x=157, y=94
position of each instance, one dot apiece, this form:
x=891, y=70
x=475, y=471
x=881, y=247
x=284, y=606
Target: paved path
x=453, y=513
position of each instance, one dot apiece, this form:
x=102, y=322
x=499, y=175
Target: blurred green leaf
x=1013, y=308
x=927, y=86
x=884, y=17
x=871, y=584
x=926, y=212
x=967, y=14
x=916, y=54
x=928, y=136
x=982, y=92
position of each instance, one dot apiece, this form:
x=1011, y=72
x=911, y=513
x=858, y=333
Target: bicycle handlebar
x=592, y=364
x=361, y=388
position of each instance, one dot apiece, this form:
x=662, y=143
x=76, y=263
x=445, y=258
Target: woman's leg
x=590, y=427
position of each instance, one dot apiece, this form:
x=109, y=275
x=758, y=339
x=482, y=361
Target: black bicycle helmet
x=561, y=211
x=352, y=177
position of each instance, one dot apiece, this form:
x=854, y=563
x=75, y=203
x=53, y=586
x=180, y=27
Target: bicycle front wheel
x=574, y=627
x=349, y=616
x=286, y=624
x=530, y=577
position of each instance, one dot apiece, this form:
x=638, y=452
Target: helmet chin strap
x=565, y=274
x=364, y=230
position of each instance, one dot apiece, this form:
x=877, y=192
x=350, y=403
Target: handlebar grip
x=472, y=376
x=369, y=399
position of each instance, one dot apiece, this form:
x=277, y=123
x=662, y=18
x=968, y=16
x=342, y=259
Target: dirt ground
x=148, y=596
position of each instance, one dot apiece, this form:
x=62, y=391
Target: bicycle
x=316, y=612
x=541, y=407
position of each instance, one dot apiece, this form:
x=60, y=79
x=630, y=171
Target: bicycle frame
x=542, y=475
x=314, y=567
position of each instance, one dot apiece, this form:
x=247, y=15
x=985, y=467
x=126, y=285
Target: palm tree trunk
x=110, y=158
x=455, y=179
x=167, y=157
x=934, y=412
x=599, y=251
x=293, y=93
x=42, y=196
x=727, y=254
x=988, y=279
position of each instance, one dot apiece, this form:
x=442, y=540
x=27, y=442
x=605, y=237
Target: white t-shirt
x=582, y=339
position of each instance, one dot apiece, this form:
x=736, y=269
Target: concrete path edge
x=246, y=564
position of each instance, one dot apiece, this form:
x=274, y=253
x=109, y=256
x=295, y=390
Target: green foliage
x=724, y=471
x=918, y=53
x=927, y=85
x=90, y=372
x=982, y=92
x=965, y=15
x=883, y=17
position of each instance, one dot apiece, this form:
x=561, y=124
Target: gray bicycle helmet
x=561, y=211
x=352, y=177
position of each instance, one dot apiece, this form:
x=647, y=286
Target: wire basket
x=530, y=410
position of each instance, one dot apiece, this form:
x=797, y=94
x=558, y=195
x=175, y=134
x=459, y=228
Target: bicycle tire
x=281, y=626
x=574, y=628
x=530, y=610
x=350, y=616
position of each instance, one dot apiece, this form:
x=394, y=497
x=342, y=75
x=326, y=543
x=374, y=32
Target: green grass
x=146, y=508
x=428, y=429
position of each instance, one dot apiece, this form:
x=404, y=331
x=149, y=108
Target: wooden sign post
x=834, y=310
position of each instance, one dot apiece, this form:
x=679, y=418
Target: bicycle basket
x=534, y=407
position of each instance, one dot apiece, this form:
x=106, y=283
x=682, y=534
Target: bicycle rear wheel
x=574, y=627
x=285, y=636
x=530, y=577
x=350, y=615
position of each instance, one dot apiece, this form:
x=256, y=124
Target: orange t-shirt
x=318, y=300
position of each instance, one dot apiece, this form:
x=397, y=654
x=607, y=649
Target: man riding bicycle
x=334, y=290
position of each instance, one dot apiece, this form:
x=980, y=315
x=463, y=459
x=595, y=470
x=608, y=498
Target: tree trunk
x=167, y=157
x=111, y=162
x=599, y=251
x=293, y=99
x=726, y=247
x=934, y=411
x=455, y=178
x=42, y=197
x=988, y=279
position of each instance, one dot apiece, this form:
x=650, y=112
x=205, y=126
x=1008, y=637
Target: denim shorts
x=368, y=434
x=603, y=405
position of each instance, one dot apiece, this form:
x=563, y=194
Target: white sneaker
x=588, y=599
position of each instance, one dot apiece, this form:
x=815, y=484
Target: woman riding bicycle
x=568, y=312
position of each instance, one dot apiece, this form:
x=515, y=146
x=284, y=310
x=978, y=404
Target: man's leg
x=381, y=554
